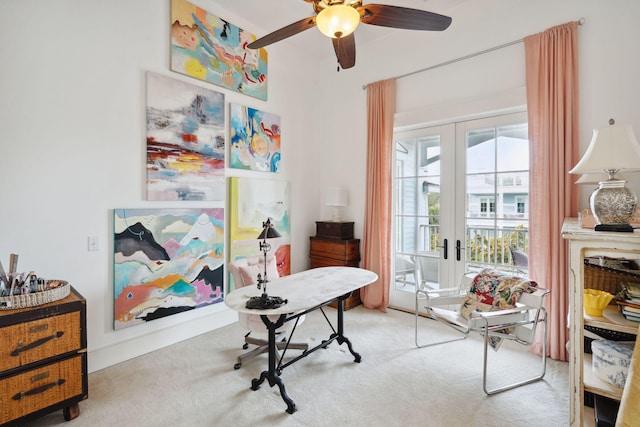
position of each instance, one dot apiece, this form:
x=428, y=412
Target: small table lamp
x=336, y=197
x=612, y=149
x=265, y=301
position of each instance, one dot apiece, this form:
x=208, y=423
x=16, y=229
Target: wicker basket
x=36, y=298
x=607, y=278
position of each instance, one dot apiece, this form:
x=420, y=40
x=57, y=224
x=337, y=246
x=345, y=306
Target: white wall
x=72, y=148
x=72, y=103
x=608, y=69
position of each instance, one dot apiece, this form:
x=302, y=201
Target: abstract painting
x=185, y=141
x=208, y=48
x=254, y=139
x=251, y=202
x=166, y=261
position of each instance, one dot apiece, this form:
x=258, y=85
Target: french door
x=460, y=189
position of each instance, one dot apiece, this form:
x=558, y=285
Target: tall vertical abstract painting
x=254, y=139
x=211, y=49
x=251, y=202
x=166, y=261
x=185, y=141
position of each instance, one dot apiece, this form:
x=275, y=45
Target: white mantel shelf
x=571, y=230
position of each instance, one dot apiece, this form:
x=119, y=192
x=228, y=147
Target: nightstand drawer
x=42, y=387
x=345, y=250
x=36, y=340
x=318, y=261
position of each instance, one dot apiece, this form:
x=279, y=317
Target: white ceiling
x=264, y=17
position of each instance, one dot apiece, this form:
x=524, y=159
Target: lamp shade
x=594, y=178
x=268, y=232
x=336, y=196
x=338, y=20
x=612, y=148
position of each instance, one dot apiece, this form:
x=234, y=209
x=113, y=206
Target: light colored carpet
x=193, y=383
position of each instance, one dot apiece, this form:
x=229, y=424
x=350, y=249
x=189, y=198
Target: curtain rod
x=462, y=58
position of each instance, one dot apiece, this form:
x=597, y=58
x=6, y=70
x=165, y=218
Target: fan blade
x=403, y=17
x=345, y=48
x=283, y=33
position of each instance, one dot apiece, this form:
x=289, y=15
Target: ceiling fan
x=338, y=19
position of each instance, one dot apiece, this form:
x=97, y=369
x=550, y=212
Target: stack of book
x=630, y=305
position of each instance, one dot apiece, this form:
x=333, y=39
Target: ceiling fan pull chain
x=338, y=59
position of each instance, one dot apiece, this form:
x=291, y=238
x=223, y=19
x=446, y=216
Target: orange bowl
x=595, y=301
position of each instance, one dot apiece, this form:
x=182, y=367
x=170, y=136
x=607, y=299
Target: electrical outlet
x=93, y=243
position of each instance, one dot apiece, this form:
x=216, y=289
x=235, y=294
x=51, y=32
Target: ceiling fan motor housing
x=319, y=5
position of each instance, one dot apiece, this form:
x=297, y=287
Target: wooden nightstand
x=43, y=360
x=326, y=252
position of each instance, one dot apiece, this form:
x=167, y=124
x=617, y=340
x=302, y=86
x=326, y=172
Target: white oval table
x=305, y=292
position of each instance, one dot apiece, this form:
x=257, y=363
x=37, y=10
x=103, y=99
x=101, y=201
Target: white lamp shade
x=594, y=178
x=338, y=20
x=611, y=148
x=336, y=196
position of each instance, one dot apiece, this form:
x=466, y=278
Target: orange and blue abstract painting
x=211, y=49
x=254, y=139
x=185, y=141
x=166, y=261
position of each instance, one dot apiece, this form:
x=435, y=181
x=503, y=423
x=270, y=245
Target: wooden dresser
x=326, y=252
x=43, y=360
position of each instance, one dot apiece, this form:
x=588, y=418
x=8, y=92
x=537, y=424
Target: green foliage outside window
x=496, y=250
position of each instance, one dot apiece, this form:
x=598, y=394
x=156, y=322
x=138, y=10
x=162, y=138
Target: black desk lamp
x=265, y=301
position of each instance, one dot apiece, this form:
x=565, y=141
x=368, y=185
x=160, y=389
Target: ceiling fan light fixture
x=338, y=21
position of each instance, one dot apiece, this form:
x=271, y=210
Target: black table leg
x=271, y=374
x=340, y=335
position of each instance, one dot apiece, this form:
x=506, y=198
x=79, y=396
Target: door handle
x=445, y=249
x=458, y=249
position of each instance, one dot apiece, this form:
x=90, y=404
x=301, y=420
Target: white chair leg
x=530, y=380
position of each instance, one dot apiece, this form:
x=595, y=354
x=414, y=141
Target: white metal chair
x=403, y=268
x=245, y=272
x=426, y=270
x=516, y=324
x=520, y=260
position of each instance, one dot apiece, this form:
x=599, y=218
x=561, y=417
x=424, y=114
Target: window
x=487, y=205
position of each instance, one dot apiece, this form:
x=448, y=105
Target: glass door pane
x=497, y=190
x=418, y=210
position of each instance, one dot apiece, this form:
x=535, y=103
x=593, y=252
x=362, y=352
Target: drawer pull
x=38, y=390
x=35, y=344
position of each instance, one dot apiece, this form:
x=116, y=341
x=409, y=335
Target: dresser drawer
x=345, y=250
x=42, y=387
x=329, y=262
x=29, y=342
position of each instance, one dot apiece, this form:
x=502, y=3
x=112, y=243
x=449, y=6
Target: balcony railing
x=489, y=247
x=485, y=246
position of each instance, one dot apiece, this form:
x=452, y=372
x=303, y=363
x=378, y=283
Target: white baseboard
x=116, y=353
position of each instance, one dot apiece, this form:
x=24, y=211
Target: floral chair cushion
x=492, y=290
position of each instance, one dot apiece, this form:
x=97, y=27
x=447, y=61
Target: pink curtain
x=552, y=103
x=376, y=253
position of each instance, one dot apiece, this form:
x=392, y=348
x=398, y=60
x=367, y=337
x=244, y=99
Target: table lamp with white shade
x=336, y=197
x=612, y=149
